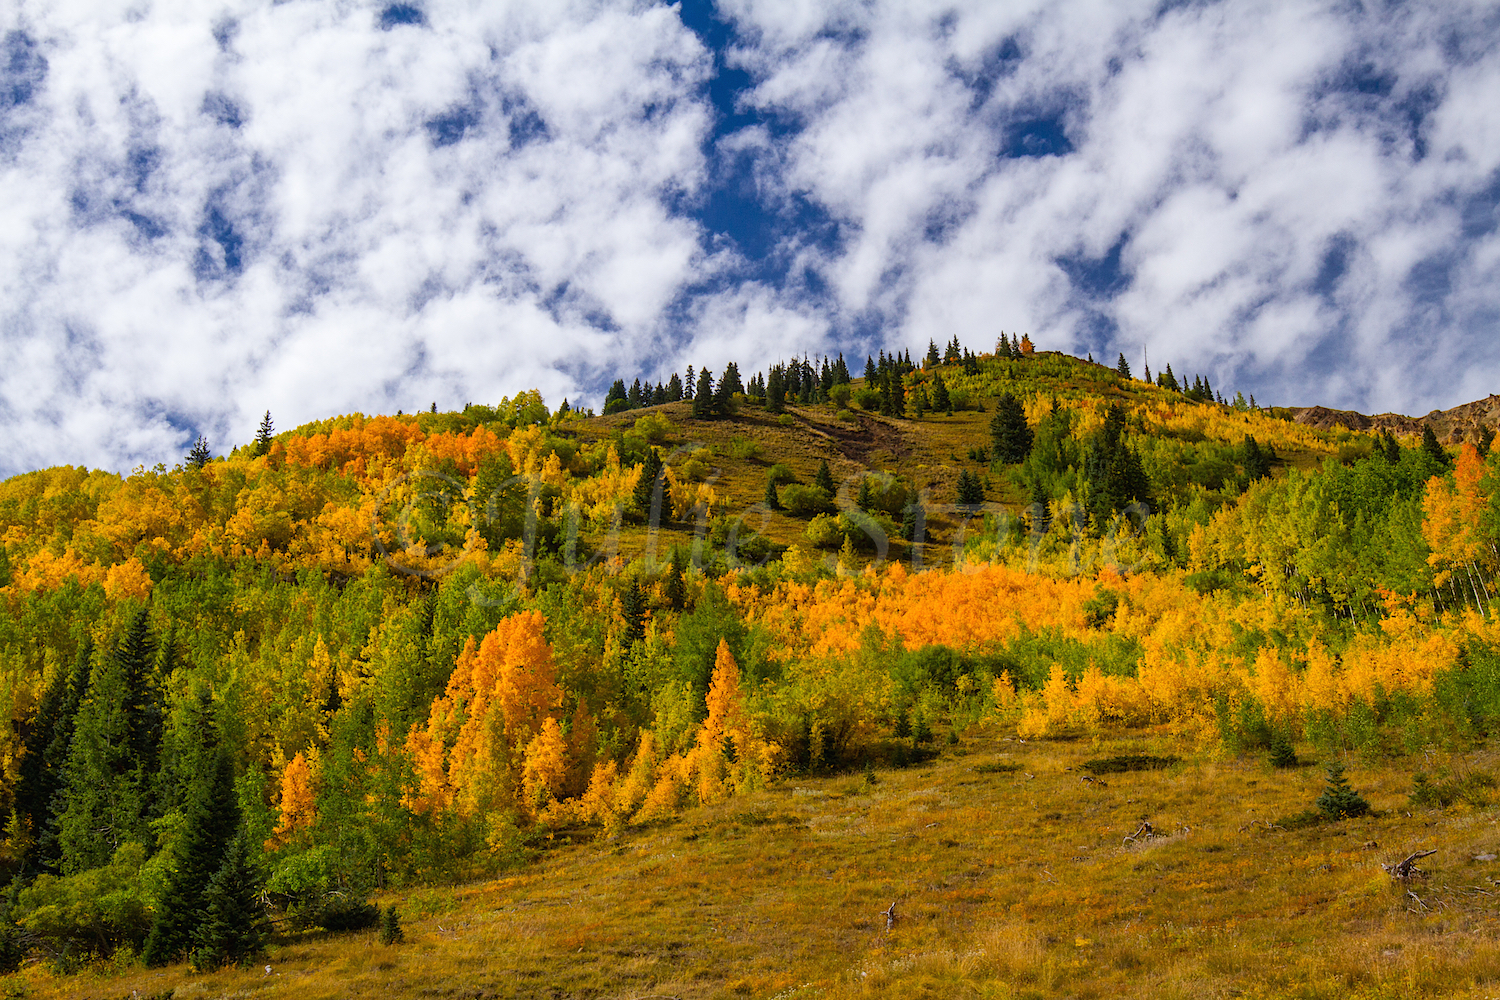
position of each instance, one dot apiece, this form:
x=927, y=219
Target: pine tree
x=390, y=926
x=913, y=519
x=970, y=488
x=1009, y=431
x=897, y=394
x=1257, y=463
x=674, y=389
x=209, y=824
x=200, y=455
x=688, y=384
x=776, y=389
x=1338, y=800
x=1112, y=472
x=772, y=501
x=1039, y=506
x=43, y=767
x=919, y=403
x=933, y=359
x=675, y=589
x=1389, y=447
x=646, y=497
x=866, y=499
x=940, y=399
x=869, y=372
x=1123, y=367
x=112, y=756
x=703, y=396
x=824, y=478
x=1486, y=439
x=633, y=610
x=232, y=927
x=263, y=435
x=1431, y=447
x=730, y=383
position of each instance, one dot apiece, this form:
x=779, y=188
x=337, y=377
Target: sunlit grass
x=1008, y=884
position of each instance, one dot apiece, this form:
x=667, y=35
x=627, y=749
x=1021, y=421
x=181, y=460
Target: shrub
x=655, y=427
x=743, y=448
x=781, y=473
x=1472, y=788
x=90, y=913
x=824, y=532
x=347, y=911
x=1129, y=762
x=839, y=396
x=786, y=420
x=1338, y=800
x=806, y=501
x=845, y=416
x=867, y=399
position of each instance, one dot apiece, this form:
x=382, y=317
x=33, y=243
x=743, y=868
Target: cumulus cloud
x=315, y=208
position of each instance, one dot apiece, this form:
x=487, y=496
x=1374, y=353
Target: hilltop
x=667, y=700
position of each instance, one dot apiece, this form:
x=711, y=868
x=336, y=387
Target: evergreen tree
x=200, y=455
x=263, y=435
x=1257, y=463
x=897, y=394
x=776, y=389
x=675, y=589
x=618, y=398
x=703, y=397
x=1167, y=380
x=1486, y=439
x=824, y=478
x=689, y=384
x=659, y=395
x=951, y=355
x=674, y=389
x=648, y=487
x=940, y=400
x=1431, y=447
x=1389, y=447
x=1112, y=471
x=869, y=372
x=840, y=370
x=390, y=926
x=634, y=395
x=232, y=928
x=1123, y=367
x=866, y=499
x=43, y=770
x=1039, y=506
x=919, y=403
x=772, y=501
x=913, y=518
x=970, y=488
x=209, y=824
x=112, y=756
x=1338, y=799
x=730, y=383
x=1009, y=431
x=633, y=610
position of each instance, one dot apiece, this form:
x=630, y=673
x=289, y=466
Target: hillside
x=686, y=689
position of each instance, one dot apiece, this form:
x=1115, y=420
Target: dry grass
x=1008, y=884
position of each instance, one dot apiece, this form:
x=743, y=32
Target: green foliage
x=232, y=927
x=1112, y=471
x=390, y=926
x=1099, y=610
x=807, y=501
x=1339, y=801
x=90, y=913
x=1009, y=431
x=1474, y=787
x=1282, y=753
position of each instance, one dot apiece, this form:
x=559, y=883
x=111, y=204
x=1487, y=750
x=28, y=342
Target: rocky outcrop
x=1462, y=423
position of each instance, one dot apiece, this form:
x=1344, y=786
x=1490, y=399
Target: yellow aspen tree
x=299, y=798
x=545, y=768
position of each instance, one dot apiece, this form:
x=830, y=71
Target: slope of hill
x=1466, y=422
x=432, y=650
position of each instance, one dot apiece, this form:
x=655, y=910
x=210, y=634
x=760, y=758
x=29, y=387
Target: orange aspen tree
x=299, y=798
x=545, y=769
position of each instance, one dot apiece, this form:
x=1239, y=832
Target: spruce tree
x=1389, y=447
x=688, y=384
x=43, y=770
x=898, y=394
x=112, y=755
x=1338, y=799
x=776, y=389
x=231, y=930
x=869, y=372
x=866, y=499
x=390, y=926
x=1431, y=447
x=1123, y=367
x=933, y=359
x=824, y=478
x=703, y=397
x=913, y=517
x=633, y=610
x=1112, y=472
x=646, y=487
x=772, y=501
x=1486, y=439
x=940, y=400
x=840, y=370
x=1039, y=506
x=1009, y=431
x=263, y=435
x=1257, y=463
x=200, y=455
x=674, y=388
x=675, y=589
x=210, y=820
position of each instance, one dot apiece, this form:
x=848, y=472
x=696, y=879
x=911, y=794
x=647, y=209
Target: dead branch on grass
x=1408, y=870
x=1144, y=833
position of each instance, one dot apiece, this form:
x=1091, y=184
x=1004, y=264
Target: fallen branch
x=1144, y=833
x=890, y=916
x=1408, y=870
x=1419, y=902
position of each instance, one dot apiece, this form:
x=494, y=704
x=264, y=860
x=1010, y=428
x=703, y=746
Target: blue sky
x=314, y=208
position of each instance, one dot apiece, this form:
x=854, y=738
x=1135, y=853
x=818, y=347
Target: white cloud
x=213, y=211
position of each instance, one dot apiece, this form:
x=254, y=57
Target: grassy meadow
x=1011, y=874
